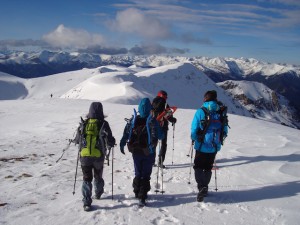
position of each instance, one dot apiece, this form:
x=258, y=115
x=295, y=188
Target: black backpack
x=159, y=105
x=138, y=141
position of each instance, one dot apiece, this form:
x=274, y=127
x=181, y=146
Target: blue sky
x=267, y=30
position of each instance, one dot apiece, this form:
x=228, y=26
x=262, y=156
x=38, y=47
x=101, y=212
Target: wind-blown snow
x=257, y=177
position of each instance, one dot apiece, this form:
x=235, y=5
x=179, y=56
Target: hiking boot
x=87, y=208
x=97, y=196
x=204, y=191
x=161, y=165
x=142, y=202
x=200, y=197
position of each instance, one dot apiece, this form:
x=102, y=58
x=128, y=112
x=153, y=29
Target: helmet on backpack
x=162, y=94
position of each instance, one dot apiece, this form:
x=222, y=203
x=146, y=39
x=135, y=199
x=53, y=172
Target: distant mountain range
x=262, y=102
x=280, y=80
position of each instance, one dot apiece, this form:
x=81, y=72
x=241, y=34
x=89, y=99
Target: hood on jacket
x=145, y=107
x=96, y=111
x=211, y=106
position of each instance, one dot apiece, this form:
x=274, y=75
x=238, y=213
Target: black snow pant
x=203, y=165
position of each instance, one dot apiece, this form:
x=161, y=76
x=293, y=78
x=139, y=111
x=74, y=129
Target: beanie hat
x=162, y=94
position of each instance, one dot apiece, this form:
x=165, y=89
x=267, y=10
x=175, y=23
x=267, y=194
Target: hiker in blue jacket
x=141, y=140
x=207, y=135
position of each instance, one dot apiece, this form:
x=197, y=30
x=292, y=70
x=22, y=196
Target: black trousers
x=203, y=164
x=204, y=161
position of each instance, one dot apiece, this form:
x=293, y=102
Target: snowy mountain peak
x=184, y=83
x=262, y=102
x=283, y=79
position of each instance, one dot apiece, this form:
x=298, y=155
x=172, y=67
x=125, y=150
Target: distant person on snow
x=141, y=135
x=93, y=137
x=159, y=104
x=208, y=130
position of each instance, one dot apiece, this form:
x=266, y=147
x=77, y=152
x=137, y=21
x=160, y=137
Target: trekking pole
x=216, y=189
x=157, y=184
x=162, y=178
x=191, y=150
x=76, y=172
x=65, y=149
x=189, y=154
x=173, y=142
x=112, y=173
x=157, y=174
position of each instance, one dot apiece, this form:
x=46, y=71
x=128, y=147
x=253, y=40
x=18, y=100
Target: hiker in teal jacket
x=208, y=137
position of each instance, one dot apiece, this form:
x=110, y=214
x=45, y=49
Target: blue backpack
x=213, y=127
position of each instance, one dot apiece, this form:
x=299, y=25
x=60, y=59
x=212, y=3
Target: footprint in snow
x=222, y=211
x=203, y=206
x=166, y=219
x=244, y=208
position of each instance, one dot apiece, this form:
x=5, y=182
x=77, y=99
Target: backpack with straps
x=159, y=105
x=91, y=139
x=213, y=126
x=138, y=141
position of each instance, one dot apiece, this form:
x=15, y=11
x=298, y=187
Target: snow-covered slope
x=258, y=167
x=257, y=179
x=184, y=83
x=12, y=87
x=243, y=67
x=262, y=102
x=282, y=78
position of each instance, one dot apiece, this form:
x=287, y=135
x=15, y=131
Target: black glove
x=173, y=120
x=111, y=142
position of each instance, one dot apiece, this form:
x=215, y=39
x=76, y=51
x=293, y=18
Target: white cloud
x=67, y=37
x=135, y=21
